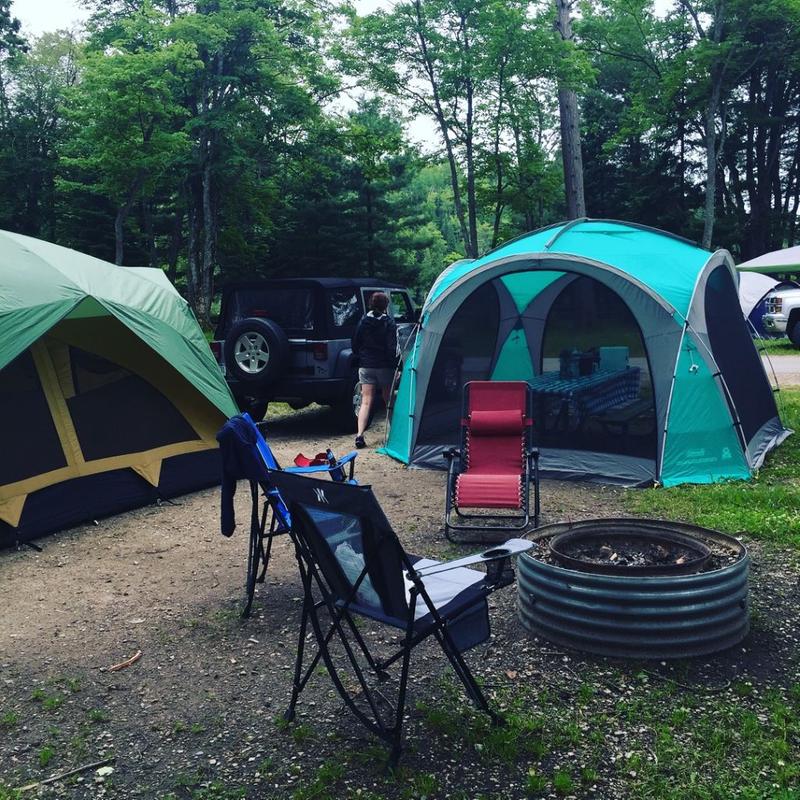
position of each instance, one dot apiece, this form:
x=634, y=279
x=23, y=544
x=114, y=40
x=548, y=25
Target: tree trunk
x=711, y=168
x=192, y=246
x=717, y=77
x=570, y=128
x=370, y=232
x=444, y=128
x=119, y=221
x=175, y=240
x=472, y=203
x=499, y=205
x=147, y=220
x=206, y=288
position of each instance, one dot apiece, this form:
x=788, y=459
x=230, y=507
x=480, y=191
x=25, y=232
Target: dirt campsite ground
x=198, y=714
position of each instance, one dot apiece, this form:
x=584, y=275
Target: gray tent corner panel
x=577, y=465
x=607, y=468
x=429, y=456
x=768, y=436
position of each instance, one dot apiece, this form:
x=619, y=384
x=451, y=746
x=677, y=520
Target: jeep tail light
x=320, y=351
x=216, y=349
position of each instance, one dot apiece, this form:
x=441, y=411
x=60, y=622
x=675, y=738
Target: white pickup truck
x=783, y=314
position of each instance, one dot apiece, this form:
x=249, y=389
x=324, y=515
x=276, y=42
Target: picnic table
x=577, y=398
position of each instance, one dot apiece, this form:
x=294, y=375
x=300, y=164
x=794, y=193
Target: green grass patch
x=726, y=750
x=766, y=507
x=45, y=756
x=776, y=347
x=73, y=684
x=9, y=719
x=678, y=743
x=322, y=786
x=216, y=790
x=49, y=702
x=422, y=784
x=302, y=732
x=562, y=782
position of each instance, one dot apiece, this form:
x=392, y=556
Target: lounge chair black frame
x=392, y=588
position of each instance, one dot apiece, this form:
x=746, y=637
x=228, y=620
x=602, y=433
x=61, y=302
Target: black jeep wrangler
x=288, y=340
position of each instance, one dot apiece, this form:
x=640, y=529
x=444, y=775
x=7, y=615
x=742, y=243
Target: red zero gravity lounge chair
x=494, y=466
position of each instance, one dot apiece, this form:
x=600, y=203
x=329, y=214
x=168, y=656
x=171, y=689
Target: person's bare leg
x=367, y=395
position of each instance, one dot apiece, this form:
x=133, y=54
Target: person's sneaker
x=360, y=443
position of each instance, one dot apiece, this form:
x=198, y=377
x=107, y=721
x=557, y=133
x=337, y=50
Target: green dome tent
x=109, y=394
x=632, y=340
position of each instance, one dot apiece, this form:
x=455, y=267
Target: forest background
x=229, y=139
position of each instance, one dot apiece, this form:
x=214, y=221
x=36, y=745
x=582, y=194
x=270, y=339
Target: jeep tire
x=256, y=351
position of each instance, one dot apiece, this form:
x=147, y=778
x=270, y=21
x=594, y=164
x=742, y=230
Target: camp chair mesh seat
x=494, y=466
x=352, y=563
x=246, y=455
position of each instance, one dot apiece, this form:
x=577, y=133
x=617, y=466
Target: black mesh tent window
x=116, y=412
x=612, y=412
x=737, y=359
x=31, y=445
x=465, y=354
x=590, y=332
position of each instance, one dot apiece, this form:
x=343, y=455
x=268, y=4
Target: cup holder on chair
x=496, y=552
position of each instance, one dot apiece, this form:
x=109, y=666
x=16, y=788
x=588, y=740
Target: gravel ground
x=785, y=367
x=197, y=715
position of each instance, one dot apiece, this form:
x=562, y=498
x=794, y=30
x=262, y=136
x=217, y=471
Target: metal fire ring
x=636, y=616
x=560, y=543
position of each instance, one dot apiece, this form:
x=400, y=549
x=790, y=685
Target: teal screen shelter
x=639, y=359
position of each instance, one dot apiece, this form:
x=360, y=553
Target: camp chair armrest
x=310, y=470
x=349, y=459
x=341, y=462
x=510, y=548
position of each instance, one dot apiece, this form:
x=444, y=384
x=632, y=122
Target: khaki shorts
x=376, y=376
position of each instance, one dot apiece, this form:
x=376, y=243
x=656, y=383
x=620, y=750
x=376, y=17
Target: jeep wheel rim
x=251, y=353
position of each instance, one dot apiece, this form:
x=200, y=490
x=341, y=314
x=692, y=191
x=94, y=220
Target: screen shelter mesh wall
x=520, y=327
x=608, y=404
x=466, y=353
x=736, y=358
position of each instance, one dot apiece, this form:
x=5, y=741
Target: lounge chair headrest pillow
x=495, y=423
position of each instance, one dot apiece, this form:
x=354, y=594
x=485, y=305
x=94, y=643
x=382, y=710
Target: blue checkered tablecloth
x=589, y=394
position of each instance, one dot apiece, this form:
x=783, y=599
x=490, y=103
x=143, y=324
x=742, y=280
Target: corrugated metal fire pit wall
x=636, y=617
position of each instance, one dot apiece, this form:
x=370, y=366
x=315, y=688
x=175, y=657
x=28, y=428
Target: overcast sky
x=39, y=16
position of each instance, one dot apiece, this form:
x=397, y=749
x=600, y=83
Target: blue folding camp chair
x=246, y=455
x=352, y=563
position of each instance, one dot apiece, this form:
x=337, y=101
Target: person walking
x=375, y=348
